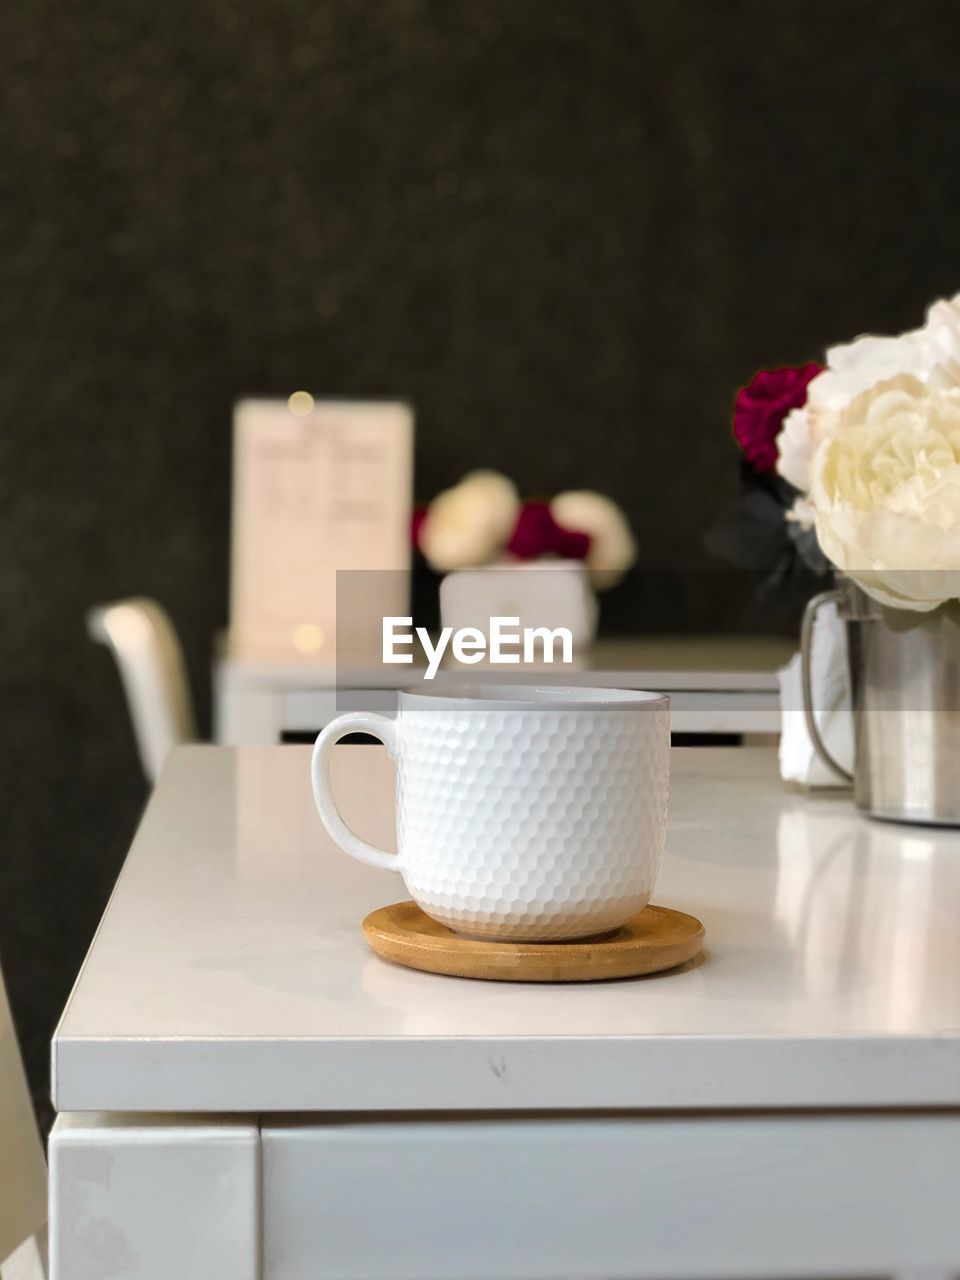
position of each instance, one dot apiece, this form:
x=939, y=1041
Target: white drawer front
x=611, y=1199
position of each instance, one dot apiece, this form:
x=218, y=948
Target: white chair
x=23, y=1170
x=153, y=675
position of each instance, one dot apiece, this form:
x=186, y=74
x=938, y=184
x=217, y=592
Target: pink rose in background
x=762, y=405
x=538, y=534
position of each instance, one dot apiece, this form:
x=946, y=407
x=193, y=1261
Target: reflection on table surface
x=870, y=908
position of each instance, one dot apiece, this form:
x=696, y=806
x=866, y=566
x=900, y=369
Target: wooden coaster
x=656, y=939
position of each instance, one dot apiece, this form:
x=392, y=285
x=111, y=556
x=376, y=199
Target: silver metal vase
x=905, y=687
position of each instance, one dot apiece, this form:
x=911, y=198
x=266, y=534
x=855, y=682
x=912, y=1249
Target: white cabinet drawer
x=610, y=1199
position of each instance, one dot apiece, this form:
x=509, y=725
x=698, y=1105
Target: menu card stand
x=315, y=493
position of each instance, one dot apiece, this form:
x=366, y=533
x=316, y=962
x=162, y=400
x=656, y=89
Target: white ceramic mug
x=522, y=812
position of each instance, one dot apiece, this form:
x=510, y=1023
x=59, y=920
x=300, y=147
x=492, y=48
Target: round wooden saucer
x=656, y=939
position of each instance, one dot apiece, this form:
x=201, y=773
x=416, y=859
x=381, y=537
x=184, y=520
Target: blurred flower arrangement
x=855, y=466
x=481, y=521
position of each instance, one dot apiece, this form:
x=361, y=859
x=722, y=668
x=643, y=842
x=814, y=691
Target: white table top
x=230, y=974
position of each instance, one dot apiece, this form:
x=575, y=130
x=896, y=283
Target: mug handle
x=378, y=726
x=806, y=673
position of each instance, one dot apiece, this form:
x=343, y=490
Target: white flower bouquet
x=864, y=456
x=874, y=453
x=482, y=522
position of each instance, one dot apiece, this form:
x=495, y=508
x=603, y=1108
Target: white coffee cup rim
x=523, y=697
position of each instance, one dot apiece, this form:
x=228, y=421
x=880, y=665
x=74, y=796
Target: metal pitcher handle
x=806, y=664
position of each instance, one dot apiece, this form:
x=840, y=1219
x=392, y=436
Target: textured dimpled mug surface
x=522, y=812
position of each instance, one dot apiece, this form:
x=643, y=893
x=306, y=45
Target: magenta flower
x=762, y=405
x=537, y=534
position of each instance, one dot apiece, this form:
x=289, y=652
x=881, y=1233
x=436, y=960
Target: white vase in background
x=539, y=593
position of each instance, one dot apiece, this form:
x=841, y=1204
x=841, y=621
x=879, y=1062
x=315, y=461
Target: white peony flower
x=940, y=337
x=468, y=525
x=931, y=353
x=885, y=492
x=795, y=449
x=855, y=367
x=612, y=546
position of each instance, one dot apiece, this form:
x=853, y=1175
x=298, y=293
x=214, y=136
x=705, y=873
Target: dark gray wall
x=565, y=229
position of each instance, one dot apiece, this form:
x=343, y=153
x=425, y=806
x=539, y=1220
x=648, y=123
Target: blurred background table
x=718, y=685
